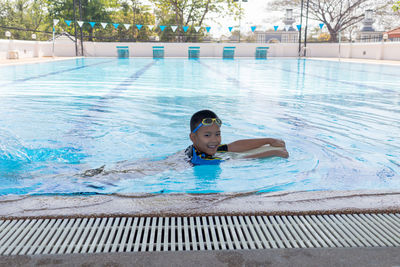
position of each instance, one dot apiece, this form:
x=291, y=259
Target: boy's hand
x=282, y=153
x=277, y=143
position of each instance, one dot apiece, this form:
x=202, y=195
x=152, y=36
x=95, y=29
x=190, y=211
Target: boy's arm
x=277, y=153
x=248, y=144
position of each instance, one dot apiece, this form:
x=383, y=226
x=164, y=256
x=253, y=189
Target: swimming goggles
x=207, y=122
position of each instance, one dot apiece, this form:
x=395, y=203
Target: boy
x=206, y=137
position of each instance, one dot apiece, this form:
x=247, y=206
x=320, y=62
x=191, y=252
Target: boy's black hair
x=199, y=116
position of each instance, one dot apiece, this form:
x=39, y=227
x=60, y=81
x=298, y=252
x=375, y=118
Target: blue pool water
x=340, y=121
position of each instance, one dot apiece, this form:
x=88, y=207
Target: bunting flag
x=321, y=25
x=163, y=27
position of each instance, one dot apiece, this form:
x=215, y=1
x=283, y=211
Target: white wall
x=66, y=48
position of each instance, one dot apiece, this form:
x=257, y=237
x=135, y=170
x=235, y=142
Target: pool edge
x=163, y=205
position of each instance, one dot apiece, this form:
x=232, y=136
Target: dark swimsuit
x=197, y=158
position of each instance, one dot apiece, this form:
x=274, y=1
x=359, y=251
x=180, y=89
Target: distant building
x=368, y=33
x=289, y=35
x=393, y=35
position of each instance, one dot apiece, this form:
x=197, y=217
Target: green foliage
x=396, y=7
x=38, y=15
x=189, y=13
x=24, y=14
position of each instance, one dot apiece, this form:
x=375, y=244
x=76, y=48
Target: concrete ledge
x=273, y=257
x=249, y=203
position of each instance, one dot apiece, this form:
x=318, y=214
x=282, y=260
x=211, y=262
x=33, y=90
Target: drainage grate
x=126, y=234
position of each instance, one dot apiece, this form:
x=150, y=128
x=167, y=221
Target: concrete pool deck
x=251, y=203
x=23, y=61
x=384, y=257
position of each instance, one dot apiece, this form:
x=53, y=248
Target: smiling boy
x=206, y=137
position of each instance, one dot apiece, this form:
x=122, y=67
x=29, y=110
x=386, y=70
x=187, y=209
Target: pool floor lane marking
x=100, y=105
x=56, y=72
x=240, y=84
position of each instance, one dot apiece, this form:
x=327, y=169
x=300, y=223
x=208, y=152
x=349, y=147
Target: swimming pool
x=340, y=122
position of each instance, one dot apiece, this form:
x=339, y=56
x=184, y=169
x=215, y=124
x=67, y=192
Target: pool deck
x=23, y=61
x=309, y=257
x=250, y=203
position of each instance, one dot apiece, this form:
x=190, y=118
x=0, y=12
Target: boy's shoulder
x=196, y=157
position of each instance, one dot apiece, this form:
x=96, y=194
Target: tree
x=136, y=13
x=91, y=10
x=337, y=15
x=191, y=13
x=28, y=16
x=396, y=6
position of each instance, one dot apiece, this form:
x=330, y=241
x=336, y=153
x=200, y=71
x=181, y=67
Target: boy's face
x=207, y=139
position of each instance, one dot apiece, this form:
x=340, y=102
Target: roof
x=395, y=33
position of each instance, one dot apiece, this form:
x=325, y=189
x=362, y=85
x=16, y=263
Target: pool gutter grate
x=132, y=234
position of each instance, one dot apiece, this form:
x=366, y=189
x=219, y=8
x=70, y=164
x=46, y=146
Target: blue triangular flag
x=139, y=26
x=208, y=29
x=298, y=27
x=253, y=28
x=68, y=22
x=276, y=28
x=321, y=25
x=162, y=28
x=115, y=25
x=185, y=28
x=230, y=29
x=92, y=24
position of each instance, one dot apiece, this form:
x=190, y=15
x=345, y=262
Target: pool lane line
x=100, y=105
x=56, y=72
x=228, y=77
x=238, y=83
x=336, y=80
x=360, y=71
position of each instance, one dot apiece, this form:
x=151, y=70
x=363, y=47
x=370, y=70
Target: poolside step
x=129, y=234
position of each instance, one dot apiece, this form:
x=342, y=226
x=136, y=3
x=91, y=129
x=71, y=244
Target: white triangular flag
x=55, y=21
x=80, y=23
x=127, y=26
x=174, y=28
x=197, y=28
x=104, y=25
x=150, y=27
x=287, y=27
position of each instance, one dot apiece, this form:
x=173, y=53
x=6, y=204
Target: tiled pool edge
x=274, y=203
